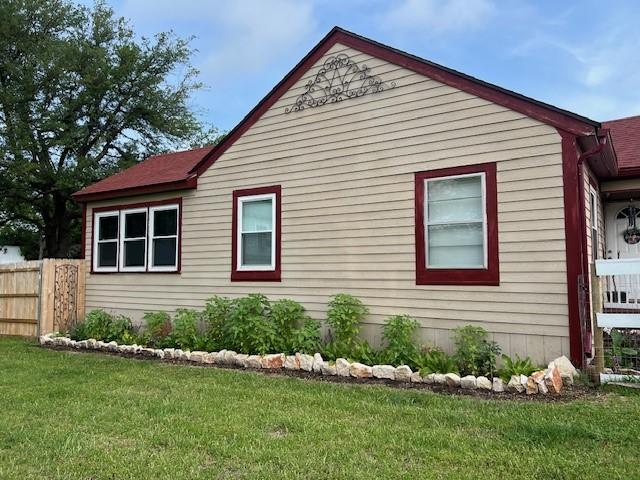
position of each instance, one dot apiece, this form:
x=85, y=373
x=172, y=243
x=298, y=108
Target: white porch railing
x=620, y=293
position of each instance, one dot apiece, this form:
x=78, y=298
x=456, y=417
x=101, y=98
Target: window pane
x=256, y=216
x=256, y=248
x=134, y=252
x=455, y=245
x=165, y=222
x=108, y=229
x=164, y=252
x=454, y=200
x=135, y=225
x=107, y=254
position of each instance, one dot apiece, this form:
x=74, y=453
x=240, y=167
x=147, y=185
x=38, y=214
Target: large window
x=256, y=234
x=456, y=226
x=137, y=238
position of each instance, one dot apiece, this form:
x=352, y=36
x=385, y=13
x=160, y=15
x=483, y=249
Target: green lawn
x=81, y=415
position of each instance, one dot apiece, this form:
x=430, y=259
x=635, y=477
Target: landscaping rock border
x=559, y=373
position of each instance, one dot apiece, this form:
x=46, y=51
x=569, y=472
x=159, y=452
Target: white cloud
x=438, y=16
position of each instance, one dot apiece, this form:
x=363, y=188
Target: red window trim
x=255, y=275
x=118, y=208
x=462, y=276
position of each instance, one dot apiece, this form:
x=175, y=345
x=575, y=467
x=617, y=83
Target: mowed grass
x=89, y=416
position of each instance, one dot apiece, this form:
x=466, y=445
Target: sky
x=583, y=56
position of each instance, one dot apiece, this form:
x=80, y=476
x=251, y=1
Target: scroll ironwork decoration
x=65, y=298
x=338, y=79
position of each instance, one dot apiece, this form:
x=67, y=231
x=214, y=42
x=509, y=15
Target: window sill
x=458, y=277
x=137, y=272
x=255, y=276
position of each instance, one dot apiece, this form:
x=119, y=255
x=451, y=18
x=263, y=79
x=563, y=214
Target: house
x=10, y=254
x=367, y=170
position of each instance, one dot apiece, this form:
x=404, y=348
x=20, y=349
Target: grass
x=91, y=416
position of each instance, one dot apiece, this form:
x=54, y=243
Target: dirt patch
x=568, y=394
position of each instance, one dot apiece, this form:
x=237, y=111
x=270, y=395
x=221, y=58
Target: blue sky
x=583, y=56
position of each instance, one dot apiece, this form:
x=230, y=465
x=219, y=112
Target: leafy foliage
x=185, y=333
x=82, y=97
x=344, y=316
x=517, y=366
x=157, y=329
x=216, y=311
x=399, y=334
x=248, y=328
x=295, y=330
x=103, y=326
x=476, y=355
x=436, y=361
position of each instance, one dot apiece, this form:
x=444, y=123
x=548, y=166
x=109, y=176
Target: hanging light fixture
x=632, y=235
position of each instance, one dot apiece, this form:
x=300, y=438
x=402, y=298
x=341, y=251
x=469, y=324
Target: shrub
x=295, y=330
x=343, y=316
x=435, y=361
x=157, y=329
x=185, y=329
x=216, y=312
x=519, y=366
x=78, y=332
x=248, y=328
x=475, y=354
x=399, y=335
x=103, y=326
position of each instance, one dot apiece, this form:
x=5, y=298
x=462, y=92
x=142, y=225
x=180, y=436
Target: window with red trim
x=457, y=226
x=255, y=246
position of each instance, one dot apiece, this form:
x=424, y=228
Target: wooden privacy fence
x=41, y=296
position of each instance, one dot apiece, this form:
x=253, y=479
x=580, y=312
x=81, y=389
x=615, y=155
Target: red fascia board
x=187, y=184
x=130, y=206
x=256, y=275
x=459, y=276
x=528, y=106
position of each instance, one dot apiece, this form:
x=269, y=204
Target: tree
x=80, y=98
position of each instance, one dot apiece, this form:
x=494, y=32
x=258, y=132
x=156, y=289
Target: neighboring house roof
x=549, y=114
x=625, y=133
x=169, y=171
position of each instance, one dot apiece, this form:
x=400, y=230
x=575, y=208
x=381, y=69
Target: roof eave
x=190, y=183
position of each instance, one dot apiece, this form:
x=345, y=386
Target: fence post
x=598, y=341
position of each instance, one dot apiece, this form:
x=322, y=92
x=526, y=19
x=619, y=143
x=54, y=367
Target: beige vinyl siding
x=347, y=177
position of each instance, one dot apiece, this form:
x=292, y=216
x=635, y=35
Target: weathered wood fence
x=41, y=296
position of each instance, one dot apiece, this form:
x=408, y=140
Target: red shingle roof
x=160, y=171
x=625, y=133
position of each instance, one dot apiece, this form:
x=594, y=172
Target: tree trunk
x=57, y=229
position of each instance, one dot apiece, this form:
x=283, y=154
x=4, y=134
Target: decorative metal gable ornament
x=339, y=78
x=632, y=234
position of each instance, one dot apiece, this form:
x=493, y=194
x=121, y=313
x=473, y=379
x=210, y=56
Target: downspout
x=602, y=140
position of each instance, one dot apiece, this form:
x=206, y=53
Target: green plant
x=157, y=329
x=295, y=330
x=435, y=360
x=344, y=316
x=185, y=329
x=248, y=328
x=306, y=338
x=517, y=366
x=475, y=354
x=215, y=314
x=78, y=332
x=399, y=335
x=101, y=325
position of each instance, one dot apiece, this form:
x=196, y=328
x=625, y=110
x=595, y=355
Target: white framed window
x=133, y=240
x=163, y=238
x=105, y=242
x=256, y=232
x=455, y=222
x=593, y=210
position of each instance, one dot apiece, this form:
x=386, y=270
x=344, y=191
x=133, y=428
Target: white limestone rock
x=564, y=365
x=220, y=356
x=317, y=363
x=483, y=383
x=254, y=361
x=160, y=353
x=430, y=378
x=403, y=373
x=515, y=385
x=387, y=372
x=329, y=369
x=241, y=359
x=416, y=378
x=197, y=356
x=452, y=380
x=92, y=343
x=498, y=385
x=292, y=362
x=359, y=370
x=439, y=379
x=229, y=357
x=169, y=353
x=305, y=361
x=343, y=367
x=273, y=361
x=112, y=346
x=468, y=382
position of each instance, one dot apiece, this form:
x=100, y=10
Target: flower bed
x=548, y=381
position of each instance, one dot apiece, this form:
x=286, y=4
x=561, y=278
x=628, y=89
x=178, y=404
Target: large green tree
x=80, y=98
